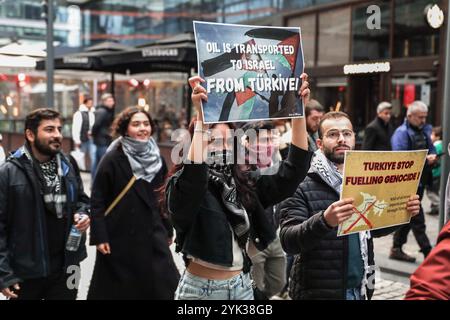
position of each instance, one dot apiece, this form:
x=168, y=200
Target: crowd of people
x=246, y=230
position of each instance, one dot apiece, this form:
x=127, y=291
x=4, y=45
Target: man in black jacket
x=378, y=133
x=327, y=266
x=41, y=196
x=104, y=117
x=313, y=112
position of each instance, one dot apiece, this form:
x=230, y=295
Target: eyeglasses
x=335, y=134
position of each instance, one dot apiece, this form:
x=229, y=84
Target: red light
x=133, y=82
x=341, y=89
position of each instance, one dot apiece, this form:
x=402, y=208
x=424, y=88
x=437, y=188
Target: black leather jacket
x=199, y=216
x=23, y=239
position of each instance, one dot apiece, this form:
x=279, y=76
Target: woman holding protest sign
x=217, y=207
x=132, y=236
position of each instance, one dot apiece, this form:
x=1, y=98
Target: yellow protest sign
x=380, y=182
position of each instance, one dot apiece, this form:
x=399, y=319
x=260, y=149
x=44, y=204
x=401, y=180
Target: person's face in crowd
x=313, y=120
x=337, y=137
x=418, y=119
x=109, y=102
x=139, y=127
x=89, y=104
x=221, y=138
x=48, y=140
x=263, y=148
x=434, y=137
x=385, y=115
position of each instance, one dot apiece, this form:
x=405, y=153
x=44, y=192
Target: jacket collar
x=21, y=154
x=83, y=108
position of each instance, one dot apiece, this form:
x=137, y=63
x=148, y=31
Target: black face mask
x=221, y=158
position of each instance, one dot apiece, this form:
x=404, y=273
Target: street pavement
x=391, y=285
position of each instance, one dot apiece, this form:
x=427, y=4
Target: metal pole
x=50, y=55
x=94, y=93
x=113, y=84
x=445, y=161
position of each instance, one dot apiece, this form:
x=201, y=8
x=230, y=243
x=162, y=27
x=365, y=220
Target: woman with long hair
x=133, y=257
x=217, y=206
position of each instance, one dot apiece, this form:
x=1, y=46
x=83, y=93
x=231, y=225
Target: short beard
x=45, y=149
x=329, y=154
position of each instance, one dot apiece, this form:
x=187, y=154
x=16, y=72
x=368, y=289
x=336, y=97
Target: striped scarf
x=50, y=180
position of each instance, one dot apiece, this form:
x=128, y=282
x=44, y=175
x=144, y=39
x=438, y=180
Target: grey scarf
x=144, y=156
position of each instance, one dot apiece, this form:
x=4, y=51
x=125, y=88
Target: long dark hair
x=244, y=185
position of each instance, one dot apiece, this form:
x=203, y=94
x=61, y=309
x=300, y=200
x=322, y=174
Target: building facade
x=359, y=53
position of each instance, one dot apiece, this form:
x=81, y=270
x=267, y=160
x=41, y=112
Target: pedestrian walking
x=262, y=155
x=433, y=190
x=313, y=112
x=104, y=116
x=41, y=202
x=414, y=134
x=132, y=237
x=378, y=133
x=82, y=123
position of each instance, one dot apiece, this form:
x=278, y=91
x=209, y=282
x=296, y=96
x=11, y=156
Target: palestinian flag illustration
x=255, y=76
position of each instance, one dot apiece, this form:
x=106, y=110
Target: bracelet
x=207, y=131
x=201, y=130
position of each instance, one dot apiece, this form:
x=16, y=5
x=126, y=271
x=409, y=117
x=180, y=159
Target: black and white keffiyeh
x=221, y=176
x=50, y=180
x=329, y=173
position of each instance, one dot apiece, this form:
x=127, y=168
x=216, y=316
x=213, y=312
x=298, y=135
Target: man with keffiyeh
x=327, y=266
x=41, y=197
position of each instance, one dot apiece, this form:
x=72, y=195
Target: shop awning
x=173, y=54
x=17, y=61
x=89, y=59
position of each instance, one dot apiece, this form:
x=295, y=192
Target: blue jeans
x=353, y=294
x=100, y=152
x=90, y=148
x=192, y=287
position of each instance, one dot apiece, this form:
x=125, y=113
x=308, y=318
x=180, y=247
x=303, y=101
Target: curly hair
x=122, y=120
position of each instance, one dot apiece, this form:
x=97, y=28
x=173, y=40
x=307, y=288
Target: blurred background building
x=352, y=66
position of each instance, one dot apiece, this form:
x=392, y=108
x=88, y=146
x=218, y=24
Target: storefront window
x=413, y=37
x=407, y=88
x=334, y=37
x=330, y=92
x=307, y=23
x=162, y=95
x=369, y=42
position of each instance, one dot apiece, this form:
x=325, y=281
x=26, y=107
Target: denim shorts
x=192, y=287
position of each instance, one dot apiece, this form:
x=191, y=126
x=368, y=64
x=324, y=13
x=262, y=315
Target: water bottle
x=73, y=241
